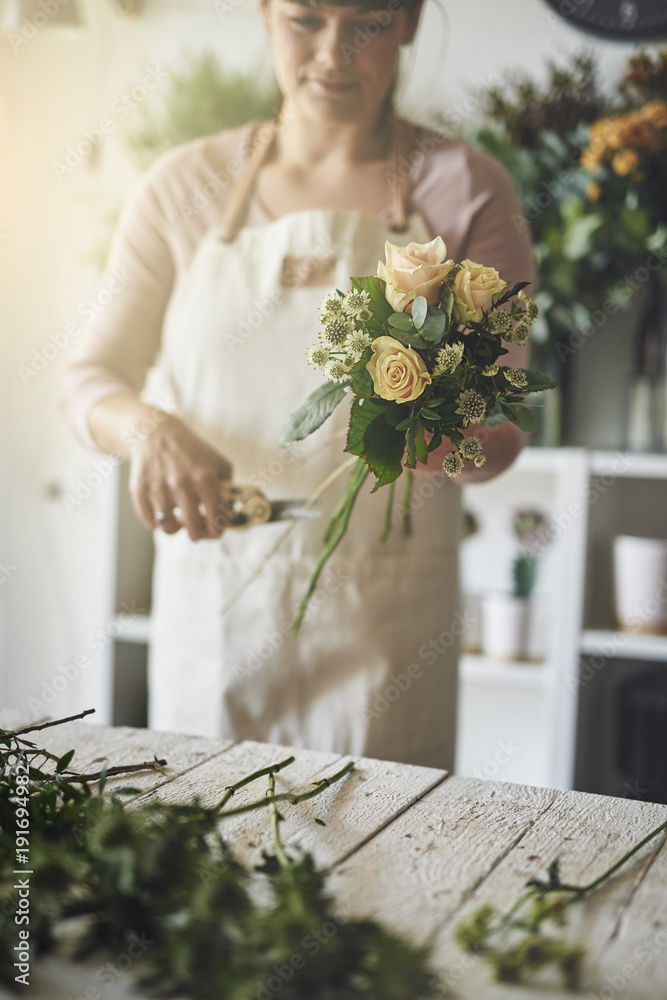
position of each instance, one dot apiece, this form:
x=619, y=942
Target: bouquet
x=415, y=348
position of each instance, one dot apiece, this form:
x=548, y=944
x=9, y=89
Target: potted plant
x=513, y=624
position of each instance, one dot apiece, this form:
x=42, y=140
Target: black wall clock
x=622, y=20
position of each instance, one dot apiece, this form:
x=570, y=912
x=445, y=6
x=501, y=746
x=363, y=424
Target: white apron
x=373, y=668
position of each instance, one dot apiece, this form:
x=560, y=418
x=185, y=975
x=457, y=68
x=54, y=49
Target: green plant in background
x=200, y=99
x=585, y=247
x=528, y=525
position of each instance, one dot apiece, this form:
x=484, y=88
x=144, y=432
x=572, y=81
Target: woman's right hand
x=172, y=467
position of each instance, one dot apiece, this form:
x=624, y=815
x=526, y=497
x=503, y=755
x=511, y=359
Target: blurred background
x=91, y=92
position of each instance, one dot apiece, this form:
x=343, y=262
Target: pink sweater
x=464, y=196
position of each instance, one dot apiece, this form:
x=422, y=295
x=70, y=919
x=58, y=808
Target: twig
x=275, y=820
x=46, y=725
x=271, y=769
x=153, y=765
x=289, y=796
x=583, y=890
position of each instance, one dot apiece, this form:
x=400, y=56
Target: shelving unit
x=591, y=496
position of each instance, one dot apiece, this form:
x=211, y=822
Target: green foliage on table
x=160, y=878
x=200, y=99
x=525, y=942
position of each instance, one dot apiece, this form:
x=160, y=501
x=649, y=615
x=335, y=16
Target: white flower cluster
x=470, y=449
x=447, y=359
x=521, y=331
x=342, y=340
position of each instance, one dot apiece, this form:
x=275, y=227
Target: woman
x=226, y=279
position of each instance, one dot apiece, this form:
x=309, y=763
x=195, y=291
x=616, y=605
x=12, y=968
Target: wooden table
x=415, y=848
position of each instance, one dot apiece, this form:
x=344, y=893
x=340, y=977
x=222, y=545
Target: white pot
x=512, y=628
x=640, y=584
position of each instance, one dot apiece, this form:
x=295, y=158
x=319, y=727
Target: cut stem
x=388, y=512
x=310, y=502
x=275, y=824
x=270, y=770
x=290, y=796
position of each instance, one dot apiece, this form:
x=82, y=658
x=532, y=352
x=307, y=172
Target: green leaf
x=426, y=411
x=447, y=300
x=384, y=448
x=375, y=287
x=64, y=761
x=434, y=443
x=362, y=382
x=495, y=417
x=401, y=321
x=320, y=404
x=102, y=780
x=362, y=414
x=522, y=416
x=419, y=311
x=407, y=423
x=412, y=339
x=537, y=382
x=420, y=441
x=433, y=328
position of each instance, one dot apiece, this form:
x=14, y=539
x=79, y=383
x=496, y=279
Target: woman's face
x=337, y=62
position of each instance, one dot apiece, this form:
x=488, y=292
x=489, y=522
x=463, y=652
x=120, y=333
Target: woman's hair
x=361, y=4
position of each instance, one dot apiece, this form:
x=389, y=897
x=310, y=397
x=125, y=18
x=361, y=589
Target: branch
x=46, y=725
x=289, y=796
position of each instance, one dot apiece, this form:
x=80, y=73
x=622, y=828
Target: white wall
x=53, y=590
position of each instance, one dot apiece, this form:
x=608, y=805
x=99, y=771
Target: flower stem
x=310, y=502
x=275, y=821
x=387, y=517
x=407, y=499
x=270, y=770
x=290, y=796
x=583, y=890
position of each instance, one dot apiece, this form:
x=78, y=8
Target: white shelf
x=475, y=667
x=624, y=645
x=628, y=465
x=134, y=629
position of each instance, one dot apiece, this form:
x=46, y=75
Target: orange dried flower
x=624, y=162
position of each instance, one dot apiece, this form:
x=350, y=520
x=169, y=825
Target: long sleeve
x=470, y=200
x=176, y=201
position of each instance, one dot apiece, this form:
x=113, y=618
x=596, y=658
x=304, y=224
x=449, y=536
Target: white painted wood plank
x=589, y=833
x=423, y=867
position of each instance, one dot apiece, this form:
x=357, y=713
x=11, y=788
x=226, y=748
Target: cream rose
x=474, y=288
x=417, y=269
x=398, y=372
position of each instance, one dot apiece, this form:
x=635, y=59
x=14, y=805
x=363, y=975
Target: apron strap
x=398, y=177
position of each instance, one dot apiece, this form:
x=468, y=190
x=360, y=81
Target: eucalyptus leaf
x=419, y=311
x=318, y=407
x=412, y=339
x=433, y=328
x=401, y=321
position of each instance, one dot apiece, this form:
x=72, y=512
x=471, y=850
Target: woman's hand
x=170, y=466
x=173, y=467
